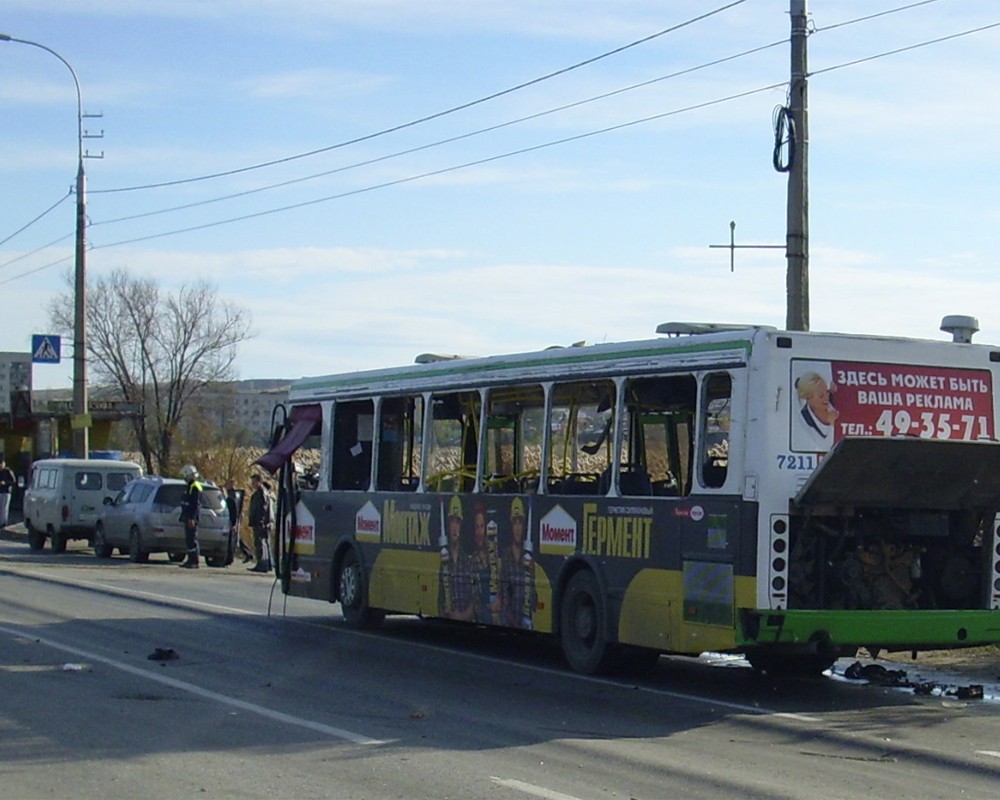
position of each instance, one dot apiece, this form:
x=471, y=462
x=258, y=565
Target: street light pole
x=81, y=446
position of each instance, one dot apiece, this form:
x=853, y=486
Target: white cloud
x=319, y=84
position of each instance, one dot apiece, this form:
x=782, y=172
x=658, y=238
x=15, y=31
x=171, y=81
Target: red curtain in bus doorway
x=303, y=421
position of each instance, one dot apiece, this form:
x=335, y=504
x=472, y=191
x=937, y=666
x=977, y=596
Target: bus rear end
x=878, y=473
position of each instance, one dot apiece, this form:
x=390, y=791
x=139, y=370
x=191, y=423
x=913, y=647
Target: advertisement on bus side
x=834, y=399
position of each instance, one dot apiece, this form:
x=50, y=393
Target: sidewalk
x=14, y=532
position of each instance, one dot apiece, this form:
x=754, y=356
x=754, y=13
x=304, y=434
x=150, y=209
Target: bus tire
x=352, y=589
x=583, y=626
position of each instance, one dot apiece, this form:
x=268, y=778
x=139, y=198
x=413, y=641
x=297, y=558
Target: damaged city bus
x=787, y=495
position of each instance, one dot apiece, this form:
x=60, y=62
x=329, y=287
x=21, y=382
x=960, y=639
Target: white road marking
x=122, y=592
x=534, y=791
x=993, y=753
x=700, y=700
x=190, y=688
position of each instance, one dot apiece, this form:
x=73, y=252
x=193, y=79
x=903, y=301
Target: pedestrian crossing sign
x=45, y=349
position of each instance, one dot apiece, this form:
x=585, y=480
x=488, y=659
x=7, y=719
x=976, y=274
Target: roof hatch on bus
x=879, y=472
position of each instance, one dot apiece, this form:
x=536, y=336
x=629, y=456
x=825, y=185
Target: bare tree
x=155, y=348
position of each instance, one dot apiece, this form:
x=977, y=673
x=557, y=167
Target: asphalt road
x=276, y=699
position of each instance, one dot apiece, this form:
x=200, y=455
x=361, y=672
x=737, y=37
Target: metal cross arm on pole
x=733, y=247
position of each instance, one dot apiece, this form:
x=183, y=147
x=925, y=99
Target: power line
x=906, y=49
x=36, y=250
x=439, y=142
x=445, y=170
x=874, y=16
x=429, y=117
x=32, y=271
x=509, y=154
x=25, y=227
x=450, y=140
x=522, y=151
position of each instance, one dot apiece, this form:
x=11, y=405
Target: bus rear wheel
x=352, y=589
x=583, y=626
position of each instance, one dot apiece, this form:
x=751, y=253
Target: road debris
x=880, y=676
x=163, y=654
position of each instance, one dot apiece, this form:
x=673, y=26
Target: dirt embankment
x=976, y=664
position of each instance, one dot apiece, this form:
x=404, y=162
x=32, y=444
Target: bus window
x=582, y=436
x=659, y=432
x=399, y=443
x=353, y=427
x=513, y=454
x=716, y=396
x=453, y=442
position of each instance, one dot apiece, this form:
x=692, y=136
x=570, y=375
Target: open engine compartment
x=896, y=523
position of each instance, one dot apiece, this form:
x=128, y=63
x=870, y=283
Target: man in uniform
x=190, y=512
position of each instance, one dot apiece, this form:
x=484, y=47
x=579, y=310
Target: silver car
x=144, y=518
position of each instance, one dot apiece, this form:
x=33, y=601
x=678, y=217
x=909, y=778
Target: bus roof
x=686, y=346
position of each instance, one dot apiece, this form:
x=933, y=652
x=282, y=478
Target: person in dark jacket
x=260, y=524
x=7, y=485
x=234, y=505
x=190, y=512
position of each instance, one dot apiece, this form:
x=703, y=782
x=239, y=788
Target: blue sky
x=599, y=238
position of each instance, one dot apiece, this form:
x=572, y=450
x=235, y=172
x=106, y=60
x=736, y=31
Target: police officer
x=190, y=511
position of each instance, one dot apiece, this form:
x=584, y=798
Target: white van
x=65, y=496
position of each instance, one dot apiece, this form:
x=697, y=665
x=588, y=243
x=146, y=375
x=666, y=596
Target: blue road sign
x=45, y=349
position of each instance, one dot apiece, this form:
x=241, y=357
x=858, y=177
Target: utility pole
x=797, y=227
x=81, y=405
x=81, y=415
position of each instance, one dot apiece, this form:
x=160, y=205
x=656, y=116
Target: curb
x=14, y=533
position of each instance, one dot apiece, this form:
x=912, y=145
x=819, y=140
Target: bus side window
x=716, y=403
x=658, y=445
x=581, y=439
x=400, y=422
x=453, y=442
x=513, y=453
x=353, y=428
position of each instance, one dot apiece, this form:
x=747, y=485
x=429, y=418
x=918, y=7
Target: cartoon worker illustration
x=517, y=572
x=454, y=586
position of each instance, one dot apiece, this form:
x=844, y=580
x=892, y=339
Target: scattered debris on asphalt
x=879, y=675
x=163, y=654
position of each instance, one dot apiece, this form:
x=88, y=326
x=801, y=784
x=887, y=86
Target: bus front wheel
x=583, y=626
x=352, y=589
